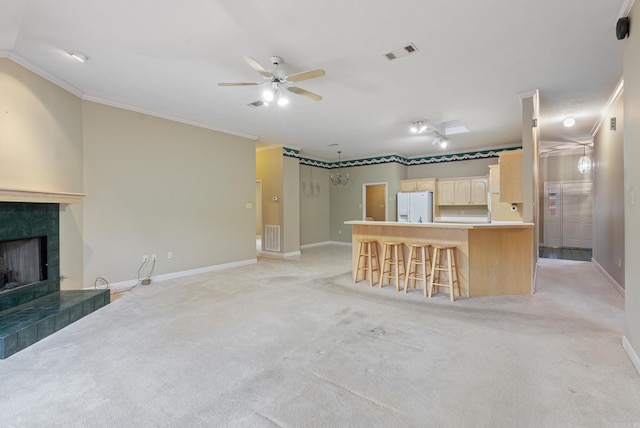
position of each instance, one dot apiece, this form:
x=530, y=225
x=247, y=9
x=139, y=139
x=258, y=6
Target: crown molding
x=45, y=74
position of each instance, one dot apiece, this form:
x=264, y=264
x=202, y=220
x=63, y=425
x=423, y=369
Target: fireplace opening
x=22, y=262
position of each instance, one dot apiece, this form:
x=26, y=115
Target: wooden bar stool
x=392, y=256
x=368, y=260
x=418, y=266
x=438, y=267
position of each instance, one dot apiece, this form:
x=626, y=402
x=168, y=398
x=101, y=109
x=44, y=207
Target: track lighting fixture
x=418, y=127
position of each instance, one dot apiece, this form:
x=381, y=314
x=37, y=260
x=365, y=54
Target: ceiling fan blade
x=304, y=93
x=257, y=67
x=239, y=84
x=306, y=75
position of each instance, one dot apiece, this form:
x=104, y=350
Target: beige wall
x=631, y=70
x=314, y=205
x=466, y=168
x=608, y=202
x=562, y=168
x=41, y=149
x=346, y=201
x=156, y=186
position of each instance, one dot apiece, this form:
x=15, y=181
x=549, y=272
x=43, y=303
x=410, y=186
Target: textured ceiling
x=474, y=58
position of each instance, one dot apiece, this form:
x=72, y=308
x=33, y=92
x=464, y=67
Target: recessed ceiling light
x=79, y=56
x=569, y=122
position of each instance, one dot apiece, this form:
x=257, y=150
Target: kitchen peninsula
x=492, y=259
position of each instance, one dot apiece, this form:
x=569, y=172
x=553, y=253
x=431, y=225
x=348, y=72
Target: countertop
x=443, y=225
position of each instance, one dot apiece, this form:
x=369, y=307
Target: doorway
x=374, y=202
x=258, y=215
x=568, y=219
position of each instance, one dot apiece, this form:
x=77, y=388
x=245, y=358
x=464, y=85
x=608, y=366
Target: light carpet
x=294, y=343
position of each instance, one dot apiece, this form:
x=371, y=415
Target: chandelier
x=338, y=177
x=584, y=163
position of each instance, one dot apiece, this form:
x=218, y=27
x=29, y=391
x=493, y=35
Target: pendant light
x=584, y=163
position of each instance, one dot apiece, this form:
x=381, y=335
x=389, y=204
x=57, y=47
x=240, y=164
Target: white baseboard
x=315, y=244
x=277, y=255
x=609, y=278
x=633, y=356
x=123, y=285
x=319, y=244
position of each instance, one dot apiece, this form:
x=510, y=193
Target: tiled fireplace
x=31, y=303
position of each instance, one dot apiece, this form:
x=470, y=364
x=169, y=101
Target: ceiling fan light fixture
x=267, y=94
x=282, y=101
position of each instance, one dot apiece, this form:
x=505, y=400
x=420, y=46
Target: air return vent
x=398, y=53
x=272, y=237
x=257, y=104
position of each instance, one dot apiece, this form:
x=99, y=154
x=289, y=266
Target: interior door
x=577, y=217
x=374, y=203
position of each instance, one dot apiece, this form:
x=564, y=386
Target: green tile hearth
x=24, y=325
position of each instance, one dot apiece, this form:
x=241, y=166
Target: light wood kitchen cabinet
x=418, y=185
x=494, y=178
x=511, y=176
x=479, y=190
x=463, y=191
x=446, y=192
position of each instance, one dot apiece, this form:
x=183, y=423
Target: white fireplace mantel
x=16, y=195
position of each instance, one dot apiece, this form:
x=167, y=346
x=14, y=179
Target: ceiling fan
x=277, y=81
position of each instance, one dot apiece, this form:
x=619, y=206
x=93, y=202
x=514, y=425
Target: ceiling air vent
x=257, y=104
x=398, y=53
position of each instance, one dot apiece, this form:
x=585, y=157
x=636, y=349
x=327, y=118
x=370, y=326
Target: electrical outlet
x=153, y=257
x=170, y=255
x=145, y=258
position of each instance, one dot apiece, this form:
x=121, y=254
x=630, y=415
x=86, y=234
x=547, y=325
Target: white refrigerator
x=415, y=207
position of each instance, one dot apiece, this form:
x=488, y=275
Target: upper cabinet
x=511, y=176
x=418, y=185
x=494, y=178
x=479, y=190
x=463, y=191
x=446, y=192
